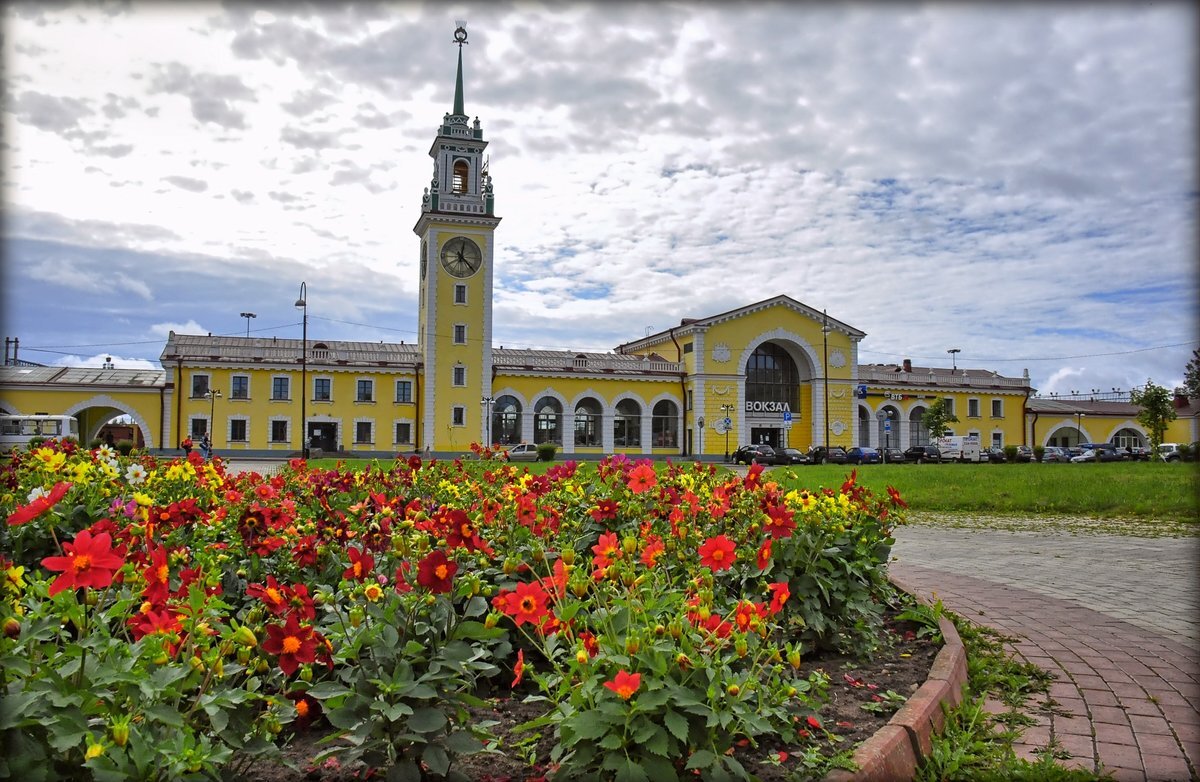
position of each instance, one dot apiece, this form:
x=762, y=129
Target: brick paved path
x=1127, y=684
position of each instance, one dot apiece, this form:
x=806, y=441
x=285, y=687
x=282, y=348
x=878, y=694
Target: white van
x=960, y=448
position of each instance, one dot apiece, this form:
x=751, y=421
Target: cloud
x=212, y=96
x=164, y=329
x=59, y=115
x=98, y=360
x=187, y=183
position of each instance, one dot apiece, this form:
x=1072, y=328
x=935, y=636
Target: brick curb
x=894, y=752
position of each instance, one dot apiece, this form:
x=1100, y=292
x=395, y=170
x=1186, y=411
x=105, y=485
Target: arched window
x=864, y=427
x=587, y=423
x=627, y=425
x=506, y=421
x=917, y=433
x=664, y=424
x=771, y=376
x=547, y=421
x=458, y=184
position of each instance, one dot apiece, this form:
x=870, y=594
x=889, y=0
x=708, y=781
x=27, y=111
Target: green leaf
x=591, y=724
x=67, y=730
x=677, y=724
x=346, y=718
x=629, y=771
x=463, y=743
x=612, y=741
x=325, y=690
x=404, y=771
x=167, y=715
x=658, y=768
x=15, y=708
x=217, y=717
x=476, y=606
x=436, y=759
x=701, y=758
x=658, y=743
x=426, y=720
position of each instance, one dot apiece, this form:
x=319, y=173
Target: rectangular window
x=403, y=390
x=237, y=430
x=281, y=388
x=972, y=408
x=950, y=405
x=458, y=416
x=366, y=391
x=403, y=433
x=997, y=439
x=239, y=387
x=199, y=428
x=362, y=432
x=997, y=408
x=460, y=376
x=279, y=431
x=688, y=347
x=460, y=334
x=460, y=293
x=199, y=386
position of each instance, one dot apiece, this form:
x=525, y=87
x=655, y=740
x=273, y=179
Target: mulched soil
x=901, y=667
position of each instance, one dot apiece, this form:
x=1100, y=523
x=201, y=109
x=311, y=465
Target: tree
x=1191, y=376
x=936, y=416
x=1158, y=410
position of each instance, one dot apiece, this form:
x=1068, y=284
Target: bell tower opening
x=458, y=184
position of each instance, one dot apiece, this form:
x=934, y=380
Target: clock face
x=461, y=257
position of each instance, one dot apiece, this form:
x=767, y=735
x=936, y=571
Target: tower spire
x=460, y=38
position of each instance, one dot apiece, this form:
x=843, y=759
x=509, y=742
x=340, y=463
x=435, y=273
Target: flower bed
x=165, y=619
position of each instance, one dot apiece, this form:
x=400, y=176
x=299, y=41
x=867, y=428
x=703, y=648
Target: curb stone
x=895, y=750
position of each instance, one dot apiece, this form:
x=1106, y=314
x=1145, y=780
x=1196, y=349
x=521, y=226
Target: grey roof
x=1085, y=406
x=196, y=348
x=581, y=361
x=77, y=375
x=892, y=374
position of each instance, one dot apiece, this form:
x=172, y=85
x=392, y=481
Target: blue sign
x=861, y=391
x=787, y=416
x=728, y=421
x=887, y=426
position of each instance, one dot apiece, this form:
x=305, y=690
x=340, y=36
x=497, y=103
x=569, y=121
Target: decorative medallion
x=837, y=393
x=721, y=353
x=837, y=358
x=837, y=427
x=720, y=390
x=719, y=426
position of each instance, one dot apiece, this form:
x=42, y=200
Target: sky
x=1015, y=181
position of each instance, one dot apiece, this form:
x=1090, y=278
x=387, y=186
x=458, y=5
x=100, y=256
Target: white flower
x=37, y=494
x=135, y=474
x=105, y=452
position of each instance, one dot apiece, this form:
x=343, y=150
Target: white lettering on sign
x=768, y=407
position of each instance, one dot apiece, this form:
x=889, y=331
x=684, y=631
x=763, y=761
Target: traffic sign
x=728, y=422
x=887, y=426
x=787, y=416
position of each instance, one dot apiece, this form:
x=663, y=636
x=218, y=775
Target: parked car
x=760, y=452
x=836, y=454
x=1099, y=454
x=1139, y=454
x=861, y=455
x=993, y=456
x=1054, y=453
x=791, y=456
x=892, y=455
x=525, y=452
x=1024, y=454
x=1087, y=455
x=1169, y=452
x=923, y=453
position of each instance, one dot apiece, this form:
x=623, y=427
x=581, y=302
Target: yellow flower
x=94, y=750
x=52, y=459
x=142, y=499
x=14, y=579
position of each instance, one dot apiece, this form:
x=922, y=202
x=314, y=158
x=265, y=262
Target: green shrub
x=94, y=443
x=1038, y=452
x=546, y=451
x=124, y=447
x=1010, y=453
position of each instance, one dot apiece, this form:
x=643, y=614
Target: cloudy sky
x=1016, y=181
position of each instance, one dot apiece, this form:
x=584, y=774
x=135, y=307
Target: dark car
x=819, y=454
x=1053, y=454
x=860, y=455
x=923, y=453
x=791, y=456
x=993, y=455
x=892, y=455
x=761, y=453
x=1024, y=454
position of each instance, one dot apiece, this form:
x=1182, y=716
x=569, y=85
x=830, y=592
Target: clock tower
x=457, y=232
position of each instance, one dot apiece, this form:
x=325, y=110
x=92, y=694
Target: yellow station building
x=776, y=371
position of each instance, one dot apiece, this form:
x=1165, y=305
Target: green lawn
x=1142, y=490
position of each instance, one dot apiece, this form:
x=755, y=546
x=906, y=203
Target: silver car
x=525, y=452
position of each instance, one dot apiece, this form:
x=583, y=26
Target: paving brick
x=1124, y=755
x=1125, y=774
x=885, y=757
x=1141, y=706
x=1113, y=734
x=1110, y=715
x=1165, y=767
x=1149, y=725
x=1156, y=744
x=1075, y=726
x=1076, y=746
x=1104, y=697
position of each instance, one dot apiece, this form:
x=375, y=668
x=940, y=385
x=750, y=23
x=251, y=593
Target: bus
x=17, y=430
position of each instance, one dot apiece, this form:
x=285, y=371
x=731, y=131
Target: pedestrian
x=108, y=439
x=206, y=446
x=186, y=445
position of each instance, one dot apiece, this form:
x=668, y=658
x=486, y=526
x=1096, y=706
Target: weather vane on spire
x=460, y=33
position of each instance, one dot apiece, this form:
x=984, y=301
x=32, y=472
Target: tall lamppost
x=248, y=316
x=954, y=358
x=487, y=403
x=212, y=396
x=1079, y=416
x=302, y=304
x=728, y=411
x=825, y=370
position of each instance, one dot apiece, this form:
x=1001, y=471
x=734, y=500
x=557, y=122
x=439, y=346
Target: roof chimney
x=908, y=365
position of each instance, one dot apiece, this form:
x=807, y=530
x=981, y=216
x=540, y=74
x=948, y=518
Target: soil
x=901, y=666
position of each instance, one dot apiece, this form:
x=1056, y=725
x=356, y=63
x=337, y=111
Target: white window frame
x=245, y=419
x=287, y=398
x=973, y=402
x=402, y=422
x=409, y=400
x=460, y=333
x=370, y=422
x=997, y=405
x=458, y=376
x=287, y=427
x=207, y=384
x=460, y=293
x=458, y=415
x=357, y=382
x=314, y=388
x=234, y=377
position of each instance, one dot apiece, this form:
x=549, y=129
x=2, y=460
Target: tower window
x=461, y=171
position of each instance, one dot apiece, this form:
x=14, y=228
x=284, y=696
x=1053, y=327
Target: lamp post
x=727, y=409
x=302, y=304
x=880, y=415
x=954, y=358
x=825, y=370
x=487, y=403
x=1079, y=416
x=248, y=316
x=212, y=397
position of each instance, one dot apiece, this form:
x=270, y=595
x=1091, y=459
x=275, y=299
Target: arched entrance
x=775, y=372
x=103, y=415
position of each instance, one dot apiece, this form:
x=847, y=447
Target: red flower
x=745, y=615
x=361, y=564
x=308, y=708
x=527, y=603
x=625, y=684
x=895, y=497
x=89, y=562
x=605, y=510
x=435, y=572
x=850, y=481
x=27, y=513
x=294, y=644
x=779, y=595
x=642, y=478
x=764, y=555
x=164, y=622
x=718, y=553
x=519, y=668
x=653, y=550
x=814, y=723
x=780, y=522
x=273, y=595
x=606, y=550
x=157, y=575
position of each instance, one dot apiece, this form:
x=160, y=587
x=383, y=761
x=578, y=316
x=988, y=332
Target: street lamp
x=248, y=316
x=727, y=410
x=880, y=415
x=487, y=403
x=212, y=397
x=954, y=358
x=302, y=304
x=825, y=370
x=1079, y=416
